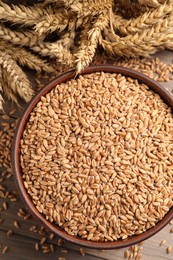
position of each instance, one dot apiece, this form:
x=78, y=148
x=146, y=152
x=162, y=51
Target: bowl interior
x=153, y=85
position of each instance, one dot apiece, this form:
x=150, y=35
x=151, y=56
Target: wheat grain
x=59, y=242
x=16, y=224
x=113, y=123
x=36, y=246
x=9, y=233
x=163, y=242
x=5, y=205
x=82, y=252
x=5, y=249
x=168, y=249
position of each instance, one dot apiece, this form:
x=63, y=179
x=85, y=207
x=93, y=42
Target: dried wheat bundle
x=56, y=34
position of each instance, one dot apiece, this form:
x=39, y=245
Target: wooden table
x=21, y=244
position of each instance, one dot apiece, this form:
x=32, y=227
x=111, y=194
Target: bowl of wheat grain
x=92, y=157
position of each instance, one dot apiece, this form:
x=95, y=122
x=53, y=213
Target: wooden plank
x=23, y=248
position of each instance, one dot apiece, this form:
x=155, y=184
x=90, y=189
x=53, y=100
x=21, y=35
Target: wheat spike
x=17, y=79
x=148, y=19
x=25, y=58
x=90, y=7
x=143, y=44
x=69, y=3
x=21, y=14
x=55, y=50
x=27, y=38
x=52, y=22
x=7, y=90
x=150, y=3
x=165, y=26
x=67, y=40
x=89, y=42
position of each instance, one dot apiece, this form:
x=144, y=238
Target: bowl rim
x=15, y=155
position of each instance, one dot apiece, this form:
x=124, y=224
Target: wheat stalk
x=17, y=79
x=27, y=38
x=21, y=14
x=25, y=58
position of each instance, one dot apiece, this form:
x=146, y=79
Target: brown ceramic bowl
x=153, y=85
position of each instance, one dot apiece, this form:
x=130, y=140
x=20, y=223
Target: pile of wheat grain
x=43, y=35
x=97, y=155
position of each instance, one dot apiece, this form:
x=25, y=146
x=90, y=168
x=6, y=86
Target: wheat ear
x=144, y=21
x=25, y=58
x=52, y=22
x=7, y=90
x=90, y=7
x=55, y=50
x=21, y=14
x=67, y=40
x=89, y=42
x=145, y=43
x=137, y=45
x=17, y=79
x=165, y=26
x=150, y=3
x=23, y=39
x=69, y=3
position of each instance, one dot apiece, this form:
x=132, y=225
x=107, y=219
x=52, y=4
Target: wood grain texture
x=21, y=244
